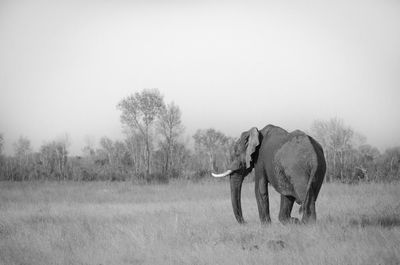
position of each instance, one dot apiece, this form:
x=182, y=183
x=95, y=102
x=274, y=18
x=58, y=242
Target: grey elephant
x=293, y=163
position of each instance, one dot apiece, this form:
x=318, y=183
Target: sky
x=229, y=65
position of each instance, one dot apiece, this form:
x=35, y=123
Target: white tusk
x=226, y=173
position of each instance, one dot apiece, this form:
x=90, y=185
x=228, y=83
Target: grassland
x=186, y=223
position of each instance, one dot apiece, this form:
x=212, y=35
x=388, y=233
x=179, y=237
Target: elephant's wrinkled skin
x=293, y=163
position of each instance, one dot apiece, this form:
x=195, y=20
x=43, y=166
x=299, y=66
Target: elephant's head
x=244, y=156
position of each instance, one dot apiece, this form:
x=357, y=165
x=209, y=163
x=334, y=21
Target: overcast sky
x=230, y=65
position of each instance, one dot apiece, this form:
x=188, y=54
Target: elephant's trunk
x=236, y=181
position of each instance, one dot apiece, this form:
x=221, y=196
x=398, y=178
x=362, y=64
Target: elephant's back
x=295, y=162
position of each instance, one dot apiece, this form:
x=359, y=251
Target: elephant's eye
x=237, y=152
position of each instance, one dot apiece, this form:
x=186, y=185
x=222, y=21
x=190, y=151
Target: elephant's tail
x=307, y=198
x=301, y=208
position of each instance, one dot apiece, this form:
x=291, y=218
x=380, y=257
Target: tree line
x=350, y=158
x=153, y=150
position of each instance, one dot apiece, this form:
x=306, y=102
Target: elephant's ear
x=252, y=143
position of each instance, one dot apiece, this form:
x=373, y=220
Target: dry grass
x=118, y=223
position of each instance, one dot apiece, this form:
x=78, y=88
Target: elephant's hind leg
x=286, y=209
x=309, y=213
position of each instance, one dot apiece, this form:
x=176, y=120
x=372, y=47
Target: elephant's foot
x=290, y=220
x=308, y=220
x=241, y=221
x=286, y=209
x=267, y=221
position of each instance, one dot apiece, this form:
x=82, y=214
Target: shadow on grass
x=383, y=221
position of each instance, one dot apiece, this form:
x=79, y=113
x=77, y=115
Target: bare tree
x=54, y=157
x=89, y=149
x=1, y=143
x=391, y=160
x=170, y=127
x=22, y=151
x=211, y=142
x=138, y=114
x=367, y=157
x=337, y=141
x=135, y=145
x=22, y=147
x=107, y=146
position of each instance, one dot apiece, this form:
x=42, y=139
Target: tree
x=135, y=146
x=390, y=163
x=1, y=143
x=2, y=166
x=54, y=158
x=20, y=164
x=337, y=141
x=121, y=155
x=214, y=144
x=367, y=160
x=107, y=147
x=138, y=114
x=22, y=147
x=114, y=157
x=170, y=127
x=88, y=150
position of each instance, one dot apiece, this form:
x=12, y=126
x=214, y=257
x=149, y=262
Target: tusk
x=226, y=173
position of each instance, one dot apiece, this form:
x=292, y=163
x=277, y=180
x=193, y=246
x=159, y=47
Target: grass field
x=186, y=223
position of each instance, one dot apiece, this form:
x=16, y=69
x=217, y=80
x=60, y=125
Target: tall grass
x=183, y=223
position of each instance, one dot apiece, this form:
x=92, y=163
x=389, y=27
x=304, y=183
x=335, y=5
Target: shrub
x=158, y=177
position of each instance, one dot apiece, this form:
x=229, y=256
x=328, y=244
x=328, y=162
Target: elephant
x=293, y=163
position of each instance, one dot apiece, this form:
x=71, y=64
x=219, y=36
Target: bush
x=158, y=178
x=199, y=175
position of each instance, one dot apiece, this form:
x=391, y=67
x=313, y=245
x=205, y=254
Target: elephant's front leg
x=261, y=191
